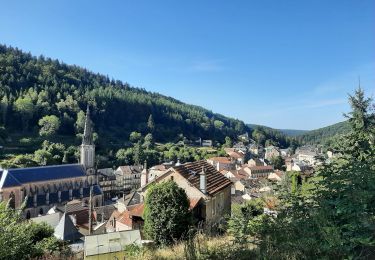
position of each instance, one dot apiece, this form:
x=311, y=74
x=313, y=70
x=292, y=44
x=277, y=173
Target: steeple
x=87, y=134
x=88, y=147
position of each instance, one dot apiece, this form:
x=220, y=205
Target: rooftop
x=215, y=180
x=19, y=176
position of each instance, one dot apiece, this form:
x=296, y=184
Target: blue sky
x=284, y=64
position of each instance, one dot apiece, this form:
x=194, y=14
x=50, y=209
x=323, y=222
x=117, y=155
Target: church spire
x=87, y=134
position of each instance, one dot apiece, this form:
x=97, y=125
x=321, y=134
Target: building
x=207, y=143
x=237, y=157
x=255, y=162
x=259, y=171
x=128, y=178
x=271, y=152
x=206, y=188
x=307, y=154
x=107, y=182
x=221, y=163
x=111, y=245
x=42, y=188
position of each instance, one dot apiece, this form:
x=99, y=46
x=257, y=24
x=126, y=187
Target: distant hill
x=322, y=135
x=293, y=132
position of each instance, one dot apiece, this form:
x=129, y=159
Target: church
x=38, y=189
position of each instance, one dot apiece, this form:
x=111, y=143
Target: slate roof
x=131, y=169
x=66, y=230
x=50, y=219
x=19, y=176
x=214, y=179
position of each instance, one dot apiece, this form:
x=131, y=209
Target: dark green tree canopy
x=167, y=216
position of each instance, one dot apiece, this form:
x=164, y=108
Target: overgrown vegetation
x=21, y=239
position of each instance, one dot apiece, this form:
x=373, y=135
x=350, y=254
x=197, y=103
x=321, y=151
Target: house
x=276, y=175
x=128, y=178
x=127, y=218
x=207, y=143
x=157, y=170
x=110, y=245
x=221, y=163
x=237, y=157
x=271, y=152
x=240, y=147
x=255, y=162
x=259, y=171
x=204, y=185
x=307, y=154
x=107, y=182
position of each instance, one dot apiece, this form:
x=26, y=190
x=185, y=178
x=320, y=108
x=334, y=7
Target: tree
x=49, y=125
x=219, y=124
x=151, y=124
x=228, y=142
x=26, y=108
x=278, y=162
x=167, y=216
x=332, y=215
x=239, y=224
x=24, y=240
x=149, y=142
x=124, y=156
x=135, y=137
x=80, y=123
x=138, y=154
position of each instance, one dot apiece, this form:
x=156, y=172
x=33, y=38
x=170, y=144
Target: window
x=12, y=200
x=213, y=206
x=172, y=178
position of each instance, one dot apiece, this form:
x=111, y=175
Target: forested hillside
x=31, y=88
x=325, y=134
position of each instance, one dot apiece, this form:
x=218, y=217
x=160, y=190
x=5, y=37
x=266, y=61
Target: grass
x=201, y=247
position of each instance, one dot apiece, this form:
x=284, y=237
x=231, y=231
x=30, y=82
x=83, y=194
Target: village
x=100, y=211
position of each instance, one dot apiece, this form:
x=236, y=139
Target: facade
x=128, y=178
x=107, y=182
x=221, y=163
x=271, y=152
x=259, y=171
x=206, y=188
x=42, y=188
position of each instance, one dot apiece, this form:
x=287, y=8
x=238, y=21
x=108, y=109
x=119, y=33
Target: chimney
x=144, y=175
x=203, y=181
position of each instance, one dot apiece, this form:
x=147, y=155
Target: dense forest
x=42, y=111
x=31, y=88
x=324, y=135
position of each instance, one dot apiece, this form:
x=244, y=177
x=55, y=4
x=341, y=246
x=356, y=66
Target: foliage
x=241, y=222
x=167, y=216
x=334, y=217
x=23, y=240
x=278, y=162
x=49, y=125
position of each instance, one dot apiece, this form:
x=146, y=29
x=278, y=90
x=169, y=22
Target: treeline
x=34, y=87
x=324, y=135
x=268, y=136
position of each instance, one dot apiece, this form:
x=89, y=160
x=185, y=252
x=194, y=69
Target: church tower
x=88, y=147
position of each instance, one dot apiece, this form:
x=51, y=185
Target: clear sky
x=284, y=64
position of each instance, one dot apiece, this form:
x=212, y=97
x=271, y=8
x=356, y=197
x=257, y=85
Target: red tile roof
x=214, y=179
x=220, y=159
x=266, y=167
